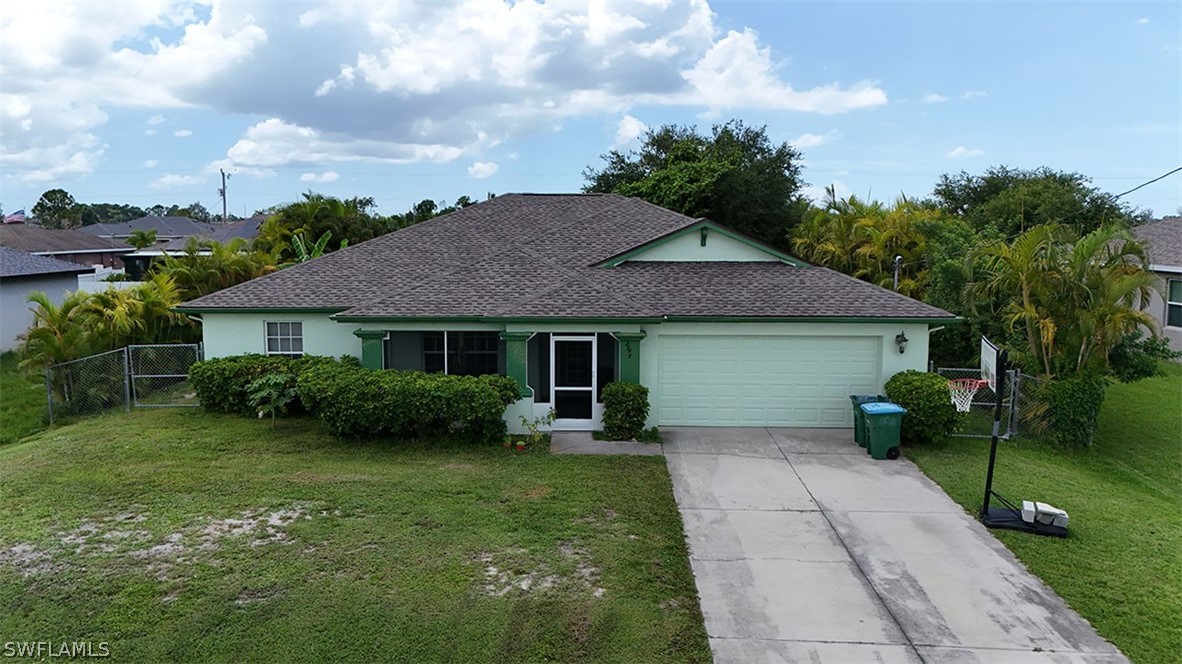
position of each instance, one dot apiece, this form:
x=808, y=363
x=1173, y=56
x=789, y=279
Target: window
x=466, y=354
x=1174, y=303
x=285, y=338
x=433, y=355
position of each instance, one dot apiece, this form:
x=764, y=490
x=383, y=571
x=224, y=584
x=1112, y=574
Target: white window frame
x=267, y=336
x=1171, y=303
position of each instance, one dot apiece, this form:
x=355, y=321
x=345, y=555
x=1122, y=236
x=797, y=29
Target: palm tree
x=57, y=334
x=142, y=239
x=1072, y=298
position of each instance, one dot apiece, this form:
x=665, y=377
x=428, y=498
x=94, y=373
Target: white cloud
x=183, y=133
x=960, y=152
x=396, y=82
x=172, y=181
x=326, y=176
x=627, y=131
x=813, y=140
x=149, y=132
x=482, y=169
x=973, y=94
x=1142, y=21
x=151, y=163
x=933, y=98
x=273, y=142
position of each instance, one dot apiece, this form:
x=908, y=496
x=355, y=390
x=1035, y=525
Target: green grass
x=1121, y=566
x=149, y=531
x=22, y=401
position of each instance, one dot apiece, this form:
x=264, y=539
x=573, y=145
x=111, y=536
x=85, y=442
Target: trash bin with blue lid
x=860, y=422
x=883, y=423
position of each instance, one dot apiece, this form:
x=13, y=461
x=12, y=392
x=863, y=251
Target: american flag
x=17, y=217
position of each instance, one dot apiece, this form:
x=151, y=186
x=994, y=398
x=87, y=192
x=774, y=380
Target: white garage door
x=764, y=380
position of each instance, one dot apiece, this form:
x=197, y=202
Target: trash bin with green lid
x=883, y=421
x=859, y=422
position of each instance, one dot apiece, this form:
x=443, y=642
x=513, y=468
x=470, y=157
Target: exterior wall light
x=901, y=341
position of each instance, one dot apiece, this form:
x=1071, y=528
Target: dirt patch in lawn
x=125, y=542
x=514, y=572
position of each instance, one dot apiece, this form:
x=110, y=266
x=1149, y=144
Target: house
x=566, y=293
x=21, y=273
x=66, y=245
x=140, y=261
x=167, y=228
x=1163, y=238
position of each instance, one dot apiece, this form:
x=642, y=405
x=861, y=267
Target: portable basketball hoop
x=963, y=390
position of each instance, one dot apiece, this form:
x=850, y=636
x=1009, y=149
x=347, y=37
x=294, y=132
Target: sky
x=146, y=102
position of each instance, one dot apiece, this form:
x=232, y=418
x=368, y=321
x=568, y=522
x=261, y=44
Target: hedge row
x=625, y=410
x=358, y=402
x=407, y=404
x=221, y=383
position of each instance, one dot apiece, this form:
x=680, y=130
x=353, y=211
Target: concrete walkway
x=805, y=549
x=581, y=442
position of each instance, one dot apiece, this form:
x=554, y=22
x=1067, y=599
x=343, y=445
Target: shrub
x=1135, y=358
x=221, y=384
x=625, y=410
x=507, y=389
x=357, y=402
x=930, y=413
x=271, y=394
x=1071, y=408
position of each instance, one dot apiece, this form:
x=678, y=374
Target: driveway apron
x=806, y=549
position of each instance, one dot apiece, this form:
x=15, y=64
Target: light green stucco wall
x=236, y=334
x=688, y=247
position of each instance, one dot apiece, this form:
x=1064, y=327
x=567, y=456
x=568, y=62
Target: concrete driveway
x=805, y=549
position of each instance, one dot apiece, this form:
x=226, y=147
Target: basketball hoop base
x=1008, y=519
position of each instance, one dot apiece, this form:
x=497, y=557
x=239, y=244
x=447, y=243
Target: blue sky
x=143, y=102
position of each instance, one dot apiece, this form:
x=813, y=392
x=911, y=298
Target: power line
x=1145, y=184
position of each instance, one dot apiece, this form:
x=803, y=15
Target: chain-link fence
x=978, y=421
x=135, y=376
x=159, y=374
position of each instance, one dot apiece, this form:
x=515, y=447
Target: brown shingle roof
x=37, y=240
x=1164, y=238
x=535, y=256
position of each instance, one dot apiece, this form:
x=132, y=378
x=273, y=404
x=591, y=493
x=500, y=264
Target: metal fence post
x=49, y=393
x=126, y=380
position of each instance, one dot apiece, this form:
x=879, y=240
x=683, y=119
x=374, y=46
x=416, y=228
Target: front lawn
x=22, y=401
x=1121, y=566
x=182, y=535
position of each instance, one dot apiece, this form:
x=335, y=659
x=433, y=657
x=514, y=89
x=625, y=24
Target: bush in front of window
x=625, y=410
x=930, y=414
x=363, y=403
x=221, y=383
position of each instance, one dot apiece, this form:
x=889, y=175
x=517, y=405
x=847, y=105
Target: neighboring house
x=566, y=293
x=66, y=245
x=139, y=262
x=1164, y=240
x=21, y=273
x=167, y=228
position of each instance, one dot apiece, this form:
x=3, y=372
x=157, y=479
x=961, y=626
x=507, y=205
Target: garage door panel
x=764, y=380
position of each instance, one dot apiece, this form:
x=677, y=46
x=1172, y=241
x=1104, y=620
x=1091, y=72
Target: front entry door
x=573, y=365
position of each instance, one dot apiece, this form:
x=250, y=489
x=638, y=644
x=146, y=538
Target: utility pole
x=222, y=193
x=898, y=265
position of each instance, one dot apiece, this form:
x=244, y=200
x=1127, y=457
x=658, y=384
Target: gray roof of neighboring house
x=536, y=256
x=165, y=227
x=247, y=229
x=1164, y=239
x=38, y=240
x=15, y=263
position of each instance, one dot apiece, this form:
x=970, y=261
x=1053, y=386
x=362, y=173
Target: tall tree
x=1013, y=200
x=735, y=176
x=57, y=209
x=141, y=239
x=350, y=220
x=1070, y=298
